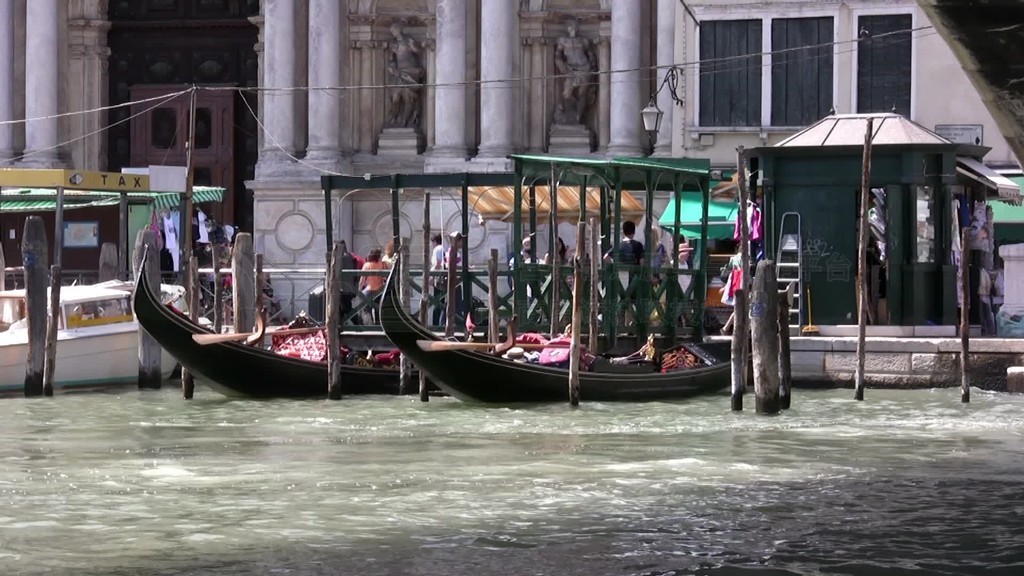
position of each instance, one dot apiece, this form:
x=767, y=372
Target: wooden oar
x=207, y=339
x=444, y=345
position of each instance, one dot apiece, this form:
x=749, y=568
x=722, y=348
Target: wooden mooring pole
x=764, y=326
x=333, y=297
x=188, y=381
x=146, y=260
x=259, y=310
x=965, y=309
x=577, y=313
x=50, y=365
x=741, y=319
x=108, y=262
x=492, y=297
x=862, y=262
x=427, y=287
x=243, y=285
x=404, y=365
x=785, y=359
x=34, y=258
x=594, y=251
x=218, y=289
x=453, y=255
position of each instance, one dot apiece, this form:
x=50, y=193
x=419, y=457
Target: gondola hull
x=238, y=370
x=481, y=377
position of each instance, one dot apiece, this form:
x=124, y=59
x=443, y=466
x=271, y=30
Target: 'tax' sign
x=74, y=180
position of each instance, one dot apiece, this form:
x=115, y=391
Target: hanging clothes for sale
x=754, y=224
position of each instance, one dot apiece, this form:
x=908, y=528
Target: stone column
x=87, y=82
x=279, y=106
x=604, y=87
x=450, y=74
x=325, y=26
x=625, y=79
x=258, y=22
x=498, y=35
x=6, y=79
x=41, y=83
x=665, y=59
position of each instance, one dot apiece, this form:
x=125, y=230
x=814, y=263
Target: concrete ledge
x=874, y=362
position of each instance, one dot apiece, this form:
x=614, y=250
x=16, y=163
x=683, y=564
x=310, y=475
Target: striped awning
x=44, y=199
x=200, y=194
x=496, y=202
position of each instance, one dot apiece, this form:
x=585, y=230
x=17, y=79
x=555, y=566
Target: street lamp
x=652, y=114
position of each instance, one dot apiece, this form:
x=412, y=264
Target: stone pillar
x=87, y=82
x=41, y=83
x=258, y=22
x=450, y=73
x=604, y=87
x=1013, y=292
x=7, y=80
x=325, y=26
x=665, y=59
x=279, y=106
x=625, y=79
x=498, y=35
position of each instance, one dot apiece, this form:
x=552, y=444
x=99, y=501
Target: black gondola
x=235, y=369
x=482, y=377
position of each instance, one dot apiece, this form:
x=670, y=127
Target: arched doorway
x=163, y=46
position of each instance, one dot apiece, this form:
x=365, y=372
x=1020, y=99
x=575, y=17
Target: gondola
x=482, y=377
x=235, y=369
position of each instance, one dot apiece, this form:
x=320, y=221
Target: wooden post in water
x=50, y=363
x=188, y=381
x=594, y=253
x=34, y=257
x=577, y=313
x=108, y=262
x=243, y=289
x=404, y=365
x=556, y=287
x=862, y=262
x=764, y=326
x=453, y=255
x=218, y=289
x=259, y=280
x=965, y=309
x=785, y=359
x=149, y=349
x=333, y=296
x=492, y=297
x=426, y=289
x=741, y=326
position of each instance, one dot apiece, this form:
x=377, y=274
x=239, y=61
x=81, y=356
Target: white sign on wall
x=962, y=133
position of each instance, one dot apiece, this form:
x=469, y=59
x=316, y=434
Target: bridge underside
x=987, y=37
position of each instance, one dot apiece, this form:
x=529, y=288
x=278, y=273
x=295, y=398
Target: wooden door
x=159, y=135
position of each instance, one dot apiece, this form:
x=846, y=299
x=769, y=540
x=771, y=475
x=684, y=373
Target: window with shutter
x=730, y=73
x=883, y=63
x=802, y=70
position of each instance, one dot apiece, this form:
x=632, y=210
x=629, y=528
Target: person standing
x=438, y=280
x=371, y=285
x=630, y=256
x=348, y=285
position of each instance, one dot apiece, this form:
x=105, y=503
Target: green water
x=907, y=482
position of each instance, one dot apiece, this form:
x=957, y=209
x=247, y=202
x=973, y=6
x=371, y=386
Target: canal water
x=907, y=482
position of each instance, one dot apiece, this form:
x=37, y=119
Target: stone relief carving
x=405, y=76
x=576, y=61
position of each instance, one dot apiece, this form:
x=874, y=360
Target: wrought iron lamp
x=652, y=114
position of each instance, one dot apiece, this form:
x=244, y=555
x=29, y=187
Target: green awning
x=200, y=194
x=721, y=217
x=1004, y=213
x=45, y=199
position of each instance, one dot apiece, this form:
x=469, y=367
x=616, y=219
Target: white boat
x=97, y=340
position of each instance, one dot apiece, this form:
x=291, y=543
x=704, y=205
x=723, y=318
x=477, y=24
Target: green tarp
x=721, y=217
x=1003, y=213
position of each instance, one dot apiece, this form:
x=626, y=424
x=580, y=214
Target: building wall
x=941, y=92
